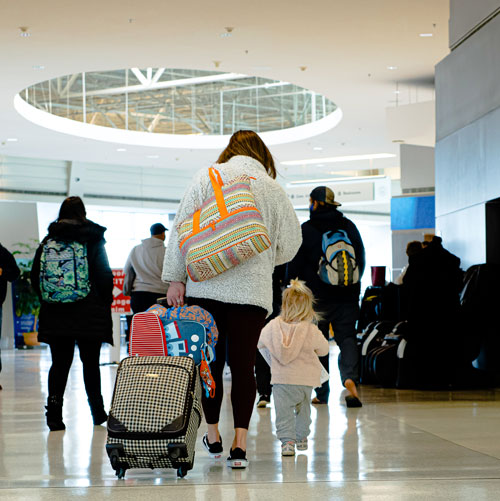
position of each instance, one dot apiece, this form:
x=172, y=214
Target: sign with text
x=121, y=303
x=344, y=193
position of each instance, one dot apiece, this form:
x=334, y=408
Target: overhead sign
x=345, y=193
x=121, y=303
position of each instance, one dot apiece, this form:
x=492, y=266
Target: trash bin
x=378, y=275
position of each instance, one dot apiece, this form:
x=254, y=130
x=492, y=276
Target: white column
x=114, y=352
x=76, y=179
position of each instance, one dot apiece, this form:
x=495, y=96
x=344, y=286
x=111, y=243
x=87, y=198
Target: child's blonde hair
x=298, y=303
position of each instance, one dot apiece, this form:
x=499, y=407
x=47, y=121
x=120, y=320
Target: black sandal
x=352, y=401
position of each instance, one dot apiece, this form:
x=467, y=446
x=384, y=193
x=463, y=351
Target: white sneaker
x=288, y=449
x=302, y=444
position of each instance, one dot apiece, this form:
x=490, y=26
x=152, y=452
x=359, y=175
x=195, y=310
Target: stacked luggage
x=382, y=302
x=460, y=352
x=156, y=407
x=383, y=338
x=381, y=347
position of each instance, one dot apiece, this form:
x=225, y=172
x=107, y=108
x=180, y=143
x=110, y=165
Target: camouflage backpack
x=64, y=271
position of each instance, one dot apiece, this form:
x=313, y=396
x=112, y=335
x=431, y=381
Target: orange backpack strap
x=217, y=184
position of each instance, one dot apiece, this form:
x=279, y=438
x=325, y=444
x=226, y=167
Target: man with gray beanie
x=331, y=261
x=143, y=271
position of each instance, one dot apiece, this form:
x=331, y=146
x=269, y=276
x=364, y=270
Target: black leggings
x=62, y=351
x=239, y=329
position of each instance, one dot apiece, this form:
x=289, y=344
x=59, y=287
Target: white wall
x=18, y=223
x=417, y=166
x=413, y=123
x=35, y=179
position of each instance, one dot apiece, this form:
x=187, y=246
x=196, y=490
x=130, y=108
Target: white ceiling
x=346, y=47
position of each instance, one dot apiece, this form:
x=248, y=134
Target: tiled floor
x=399, y=445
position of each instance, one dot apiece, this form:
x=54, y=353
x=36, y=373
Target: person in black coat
x=86, y=322
x=431, y=288
x=339, y=306
x=8, y=273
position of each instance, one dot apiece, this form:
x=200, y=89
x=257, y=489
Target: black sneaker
x=237, y=458
x=352, y=401
x=264, y=400
x=215, y=449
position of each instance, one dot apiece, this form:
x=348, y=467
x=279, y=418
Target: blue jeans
x=343, y=317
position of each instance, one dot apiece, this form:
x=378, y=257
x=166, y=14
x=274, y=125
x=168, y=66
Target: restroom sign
x=121, y=303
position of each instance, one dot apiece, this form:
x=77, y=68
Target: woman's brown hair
x=73, y=208
x=249, y=144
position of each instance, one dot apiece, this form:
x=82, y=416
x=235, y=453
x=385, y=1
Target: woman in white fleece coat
x=241, y=298
x=294, y=344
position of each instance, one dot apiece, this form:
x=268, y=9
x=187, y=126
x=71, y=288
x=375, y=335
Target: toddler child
x=294, y=343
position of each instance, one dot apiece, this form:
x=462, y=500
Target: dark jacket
x=305, y=264
x=432, y=285
x=89, y=317
x=10, y=271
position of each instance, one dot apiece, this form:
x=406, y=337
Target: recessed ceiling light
x=392, y=67
x=121, y=149
x=321, y=165
x=38, y=67
x=153, y=156
x=12, y=139
x=348, y=158
x=397, y=92
x=318, y=148
x=424, y=35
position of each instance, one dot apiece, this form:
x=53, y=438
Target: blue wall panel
x=411, y=213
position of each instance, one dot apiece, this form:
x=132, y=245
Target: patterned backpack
x=194, y=314
x=64, y=271
x=338, y=265
x=188, y=331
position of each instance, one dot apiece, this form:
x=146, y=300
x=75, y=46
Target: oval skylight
x=176, y=107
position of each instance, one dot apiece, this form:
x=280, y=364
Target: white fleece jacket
x=294, y=352
x=250, y=282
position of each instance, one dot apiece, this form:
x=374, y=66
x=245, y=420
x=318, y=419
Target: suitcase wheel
x=182, y=471
x=115, y=464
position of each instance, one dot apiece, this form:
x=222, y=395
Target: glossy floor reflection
x=399, y=445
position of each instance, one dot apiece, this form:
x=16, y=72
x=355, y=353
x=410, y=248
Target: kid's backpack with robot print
x=64, y=271
x=188, y=331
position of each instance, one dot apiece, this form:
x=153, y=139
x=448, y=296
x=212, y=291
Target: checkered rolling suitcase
x=155, y=414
